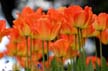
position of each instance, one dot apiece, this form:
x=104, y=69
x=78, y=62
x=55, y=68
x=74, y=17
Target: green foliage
x=104, y=64
x=27, y=69
x=78, y=65
x=55, y=66
x=90, y=67
x=97, y=67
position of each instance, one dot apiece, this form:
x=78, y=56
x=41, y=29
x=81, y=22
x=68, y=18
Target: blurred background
x=9, y=8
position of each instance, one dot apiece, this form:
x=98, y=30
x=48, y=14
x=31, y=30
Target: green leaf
x=69, y=67
x=97, y=67
x=81, y=63
x=104, y=64
x=90, y=67
x=56, y=66
x=27, y=69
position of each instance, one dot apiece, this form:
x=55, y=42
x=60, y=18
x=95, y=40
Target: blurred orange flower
x=46, y=29
x=66, y=27
x=90, y=31
x=100, y=22
x=94, y=60
x=3, y=30
x=1, y=54
x=22, y=27
x=81, y=18
x=104, y=36
x=60, y=48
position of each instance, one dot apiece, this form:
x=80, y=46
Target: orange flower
x=10, y=49
x=94, y=60
x=48, y=62
x=60, y=48
x=38, y=46
x=22, y=27
x=81, y=18
x=55, y=15
x=90, y=32
x=22, y=60
x=100, y=22
x=26, y=11
x=104, y=36
x=1, y=54
x=2, y=25
x=17, y=45
x=3, y=30
x=73, y=48
x=25, y=21
x=70, y=38
x=36, y=56
x=66, y=27
x=46, y=29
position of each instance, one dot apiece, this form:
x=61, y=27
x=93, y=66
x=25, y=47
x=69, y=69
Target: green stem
x=62, y=66
x=82, y=42
x=79, y=46
x=82, y=49
x=83, y=67
x=16, y=49
x=71, y=64
x=47, y=50
x=43, y=55
x=76, y=42
x=100, y=50
x=27, y=64
x=16, y=54
x=74, y=59
x=31, y=48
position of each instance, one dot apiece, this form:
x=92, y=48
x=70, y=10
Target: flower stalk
x=27, y=54
x=43, y=58
x=101, y=51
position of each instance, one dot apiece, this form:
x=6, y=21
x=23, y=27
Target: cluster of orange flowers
x=58, y=29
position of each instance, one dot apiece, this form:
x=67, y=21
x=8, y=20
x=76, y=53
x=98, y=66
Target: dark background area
x=98, y=5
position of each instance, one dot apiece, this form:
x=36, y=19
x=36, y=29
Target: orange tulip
x=100, y=22
x=22, y=27
x=46, y=29
x=1, y=54
x=10, y=49
x=25, y=21
x=22, y=60
x=37, y=46
x=81, y=18
x=94, y=60
x=104, y=36
x=48, y=62
x=15, y=35
x=2, y=25
x=26, y=11
x=70, y=38
x=55, y=15
x=60, y=47
x=73, y=45
x=66, y=27
x=3, y=30
x=90, y=32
